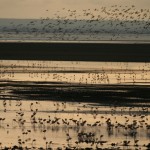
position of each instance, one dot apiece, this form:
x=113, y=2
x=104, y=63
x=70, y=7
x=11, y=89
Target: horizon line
x=80, y=41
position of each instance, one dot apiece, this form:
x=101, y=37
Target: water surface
x=53, y=104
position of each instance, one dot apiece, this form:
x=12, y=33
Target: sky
x=37, y=8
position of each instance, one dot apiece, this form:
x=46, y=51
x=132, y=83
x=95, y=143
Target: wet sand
x=117, y=95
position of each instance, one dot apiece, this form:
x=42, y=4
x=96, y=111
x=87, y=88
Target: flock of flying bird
x=88, y=134
x=103, y=23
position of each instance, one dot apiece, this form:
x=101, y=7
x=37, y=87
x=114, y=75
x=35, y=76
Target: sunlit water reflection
x=76, y=72
x=27, y=120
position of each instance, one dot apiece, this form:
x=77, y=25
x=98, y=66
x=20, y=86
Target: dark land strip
x=117, y=95
x=115, y=52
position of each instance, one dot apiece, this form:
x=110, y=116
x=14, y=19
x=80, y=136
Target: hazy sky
x=37, y=8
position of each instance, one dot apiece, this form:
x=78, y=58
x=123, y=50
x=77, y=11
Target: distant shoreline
x=80, y=41
x=115, y=51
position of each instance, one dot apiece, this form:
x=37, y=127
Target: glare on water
x=31, y=122
x=76, y=72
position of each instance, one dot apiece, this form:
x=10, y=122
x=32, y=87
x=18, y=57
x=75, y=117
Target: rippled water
x=76, y=72
x=53, y=104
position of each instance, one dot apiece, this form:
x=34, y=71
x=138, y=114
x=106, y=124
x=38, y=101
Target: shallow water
x=35, y=113
x=15, y=112
x=76, y=72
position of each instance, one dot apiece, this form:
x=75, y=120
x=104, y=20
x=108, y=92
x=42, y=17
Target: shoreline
x=117, y=95
x=117, y=51
x=80, y=41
